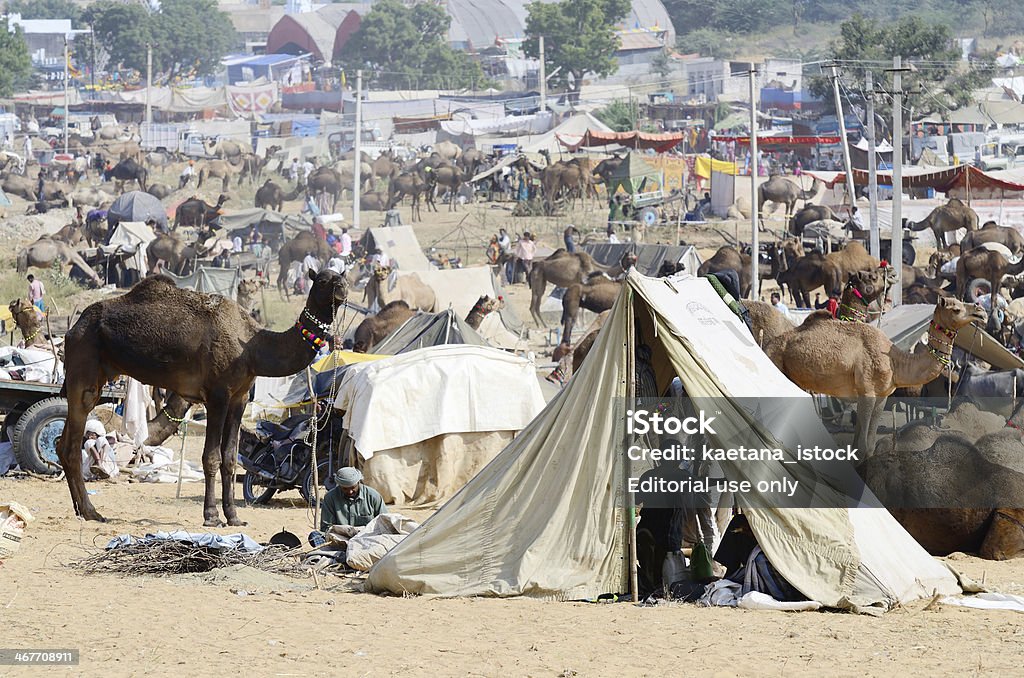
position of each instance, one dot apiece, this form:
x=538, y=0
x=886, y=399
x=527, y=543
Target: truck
x=1005, y=152
x=190, y=138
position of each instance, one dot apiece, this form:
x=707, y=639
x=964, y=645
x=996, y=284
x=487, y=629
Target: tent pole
x=630, y=499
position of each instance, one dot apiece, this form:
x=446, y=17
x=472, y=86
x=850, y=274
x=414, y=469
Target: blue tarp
x=217, y=542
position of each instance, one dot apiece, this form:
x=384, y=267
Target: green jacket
x=340, y=510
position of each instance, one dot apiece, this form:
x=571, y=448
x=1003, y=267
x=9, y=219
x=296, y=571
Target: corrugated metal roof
x=638, y=41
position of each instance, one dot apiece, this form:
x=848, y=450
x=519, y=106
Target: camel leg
x=538, y=286
x=228, y=452
x=216, y=414
x=876, y=419
x=83, y=392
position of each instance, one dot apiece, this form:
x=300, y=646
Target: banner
x=704, y=165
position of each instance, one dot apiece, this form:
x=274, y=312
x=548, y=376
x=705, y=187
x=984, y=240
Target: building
x=253, y=22
x=321, y=33
x=45, y=38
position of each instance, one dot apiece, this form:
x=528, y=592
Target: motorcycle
x=277, y=457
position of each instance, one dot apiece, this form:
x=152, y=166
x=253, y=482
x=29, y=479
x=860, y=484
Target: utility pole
x=850, y=192
x=755, y=216
x=897, y=179
x=67, y=57
x=149, y=84
x=356, y=179
x=873, y=243
x=543, y=76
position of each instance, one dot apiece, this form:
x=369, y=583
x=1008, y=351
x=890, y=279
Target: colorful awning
x=774, y=140
x=660, y=143
x=943, y=179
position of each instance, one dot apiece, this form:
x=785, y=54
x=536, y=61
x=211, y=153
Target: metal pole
x=847, y=165
x=754, y=208
x=543, y=76
x=356, y=179
x=67, y=57
x=897, y=179
x=149, y=83
x=874, y=245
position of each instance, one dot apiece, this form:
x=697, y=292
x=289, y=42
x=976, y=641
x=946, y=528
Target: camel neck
x=853, y=307
x=940, y=344
x=281, y=354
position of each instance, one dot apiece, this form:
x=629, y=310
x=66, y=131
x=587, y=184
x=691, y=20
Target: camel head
x=485, y=305
x=381, y=273
x=328, y=292
x=953, y=314
x=937, y=260
x=221, y=199
x=248, y=287
x=24, y=314
x=872, y=284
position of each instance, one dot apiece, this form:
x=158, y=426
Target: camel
x=597, y=294
x=173, y=251
x=729, y=258
x=21, y=186
x=483, y=307
x=958, y=488
x=815, y=270
x=810, y=214
x=91, y=196
x=986, y=264
x=766, y=321
x=944, y=219
x=195, y=212
x=990, y=232
x=295, y=250
x=375, y=328
x=450, y=177
x=202, y=347
x=373, y=201
x=387, y=285
x=129, y=170
x=26, y=317
x=385, y=167
x=411, y=184
x=45, y=251
x=247, y=296
x=167, y=419
x=227, y=148
x=272, y=196
x=561, y=269
x=857, y=360
x=72, y=234
x=222, y=169
x=581, y=350
x=448, y=150
x=783, y=191
x=159, y=191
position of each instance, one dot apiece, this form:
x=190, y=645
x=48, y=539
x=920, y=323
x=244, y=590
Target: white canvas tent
x=137, y=235
x=452, y=408
x=401, y=245
x=549, y=516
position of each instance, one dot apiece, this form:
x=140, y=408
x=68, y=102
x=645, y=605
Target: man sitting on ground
x=350, y=503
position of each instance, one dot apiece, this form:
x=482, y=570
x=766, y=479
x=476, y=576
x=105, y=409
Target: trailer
x=34, y=416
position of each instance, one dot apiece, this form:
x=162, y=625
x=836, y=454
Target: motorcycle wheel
x=254, y=491
x=326, y=482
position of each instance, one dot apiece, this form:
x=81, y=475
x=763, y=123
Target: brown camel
x=26, y=317
x=72, y=234
x=197, y=213
x=387, y=285
x=45, y=251
x=375, y=328
x=561, y=269
x=808, y=215
x=248, y=296
x=483, y=307
x=783, y=191
x=171, y=249
x=202, y=347
x=272, y=196
x=985, y=264
x=222, y=169
x=167, y=419
x=953, y=489
x=944, y=219
x=582, y=349
x=767, y=322
x=831, y=271
x=411, y=184
x=1006, y=236
x=729, y=258
x=857, y=360
x=295, y=250
x=597, y=294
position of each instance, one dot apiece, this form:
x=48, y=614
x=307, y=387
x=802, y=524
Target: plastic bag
x=13, y=519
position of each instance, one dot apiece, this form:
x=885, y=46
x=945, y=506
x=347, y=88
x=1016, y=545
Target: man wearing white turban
x=351, y=502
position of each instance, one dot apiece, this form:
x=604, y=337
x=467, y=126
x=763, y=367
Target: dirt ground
x=272, y=625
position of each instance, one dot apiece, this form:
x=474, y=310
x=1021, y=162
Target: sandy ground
x=278, y=626
x=274, y=625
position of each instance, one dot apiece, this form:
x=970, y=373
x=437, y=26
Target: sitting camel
x=944, y=219
x=387, y=285
x=857, y=360
x=483, y=307
x=26, y=317
x=375, y=328
x=45, y=251
x=202, y=347
x=955, y=488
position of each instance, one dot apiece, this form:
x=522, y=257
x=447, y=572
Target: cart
x=34, y=416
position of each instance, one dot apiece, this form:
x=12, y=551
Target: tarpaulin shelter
x=209, y=280
x=649, y=258
x=452, y=409
x=137, y=236
x=659, y=143
x=273, y=226
x=549, y=517
x=401, y=245
x=942, y=179
x=635, y=175
x=137, y=206
x=429, y=329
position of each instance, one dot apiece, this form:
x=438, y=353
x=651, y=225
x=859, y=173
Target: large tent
x=210, y=280
x=425, y=422
x=401, y=245
x=429, y=329
x=131, y=235
x=549, y=517
x=137, y=206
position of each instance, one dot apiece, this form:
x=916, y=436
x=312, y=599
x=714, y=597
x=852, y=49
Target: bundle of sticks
x=161, y=557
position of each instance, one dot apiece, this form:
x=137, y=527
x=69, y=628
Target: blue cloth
x=217, y=542
x=39, y=304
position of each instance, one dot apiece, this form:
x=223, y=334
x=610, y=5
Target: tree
x=46, y=9
x=579, y=38
x=406, y=47
x=621, y=116
x=15, y=63
x=124, y=31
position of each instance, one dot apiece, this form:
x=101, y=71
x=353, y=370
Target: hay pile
x=163, y=557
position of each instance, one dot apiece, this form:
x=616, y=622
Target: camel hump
x=153, y=285
x=817, y=317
